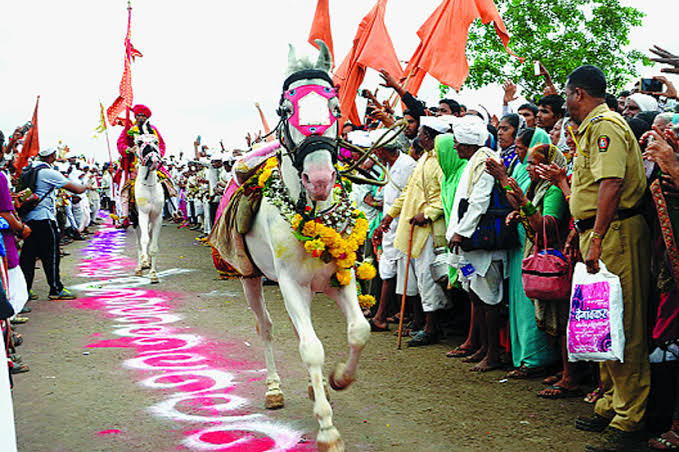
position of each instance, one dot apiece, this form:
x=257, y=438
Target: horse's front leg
x=253, y=293
x=144, y=239
x=358, y=332
x=297, y=302
x=156, y=225
x=140, y=253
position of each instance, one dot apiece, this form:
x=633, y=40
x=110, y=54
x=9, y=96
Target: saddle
x=235, y=216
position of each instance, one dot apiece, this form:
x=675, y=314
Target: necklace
x=334, y=234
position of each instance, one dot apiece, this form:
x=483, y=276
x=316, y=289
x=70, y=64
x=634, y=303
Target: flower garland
x=322, y=235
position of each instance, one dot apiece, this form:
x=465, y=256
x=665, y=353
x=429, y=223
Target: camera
x=651, y=85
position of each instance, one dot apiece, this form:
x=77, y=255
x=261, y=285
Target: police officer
x=608, y=186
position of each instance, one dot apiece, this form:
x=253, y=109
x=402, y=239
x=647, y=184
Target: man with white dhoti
x=481, y=272
x=420, y=205
x=400, y=166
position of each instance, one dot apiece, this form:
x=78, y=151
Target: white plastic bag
x=595, y=325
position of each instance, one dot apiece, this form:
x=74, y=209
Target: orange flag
x=125, y=98
x=31, y=145
x=372, y=48
x=320, y=27
x=443, y=39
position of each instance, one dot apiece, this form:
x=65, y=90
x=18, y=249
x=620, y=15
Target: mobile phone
x=536, y=68
x=651, y=85
x=198, y=139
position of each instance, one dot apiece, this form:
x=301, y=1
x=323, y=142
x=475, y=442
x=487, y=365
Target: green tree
x=562, y=34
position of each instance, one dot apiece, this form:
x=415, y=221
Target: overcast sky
x=205, y=62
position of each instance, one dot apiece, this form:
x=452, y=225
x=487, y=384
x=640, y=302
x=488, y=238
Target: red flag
x=372, y=48
x=125, y=99
x=443, y=38
x=320, y=27
x=31, y=145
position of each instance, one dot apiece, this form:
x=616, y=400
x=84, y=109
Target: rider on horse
x=128, y=158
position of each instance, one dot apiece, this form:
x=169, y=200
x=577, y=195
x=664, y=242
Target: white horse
x=281, y=257
x=149, y=198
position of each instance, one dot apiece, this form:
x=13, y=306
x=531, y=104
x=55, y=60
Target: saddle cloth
x=235, y=215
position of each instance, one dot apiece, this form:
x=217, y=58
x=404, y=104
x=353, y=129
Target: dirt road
x=178, y=366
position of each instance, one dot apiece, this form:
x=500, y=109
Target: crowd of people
x=589, y=174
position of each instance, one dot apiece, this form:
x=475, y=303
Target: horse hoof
x=329, y=441
x=145, y=266
x=338, y=381
x=154, y=280
x=138, y=272
x=274, y=400
x=312, y=396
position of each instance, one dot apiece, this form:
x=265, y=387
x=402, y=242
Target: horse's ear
x=324, y=61
x=292, y=56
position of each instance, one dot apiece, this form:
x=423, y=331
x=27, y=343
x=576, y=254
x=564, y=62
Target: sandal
x=561, y=392
x=422, y=338
x=459, y=352
x=18, y=368
x=18, y=320
x=667, y=441
x=593, y=396
x=524, y=372
x=376, y=328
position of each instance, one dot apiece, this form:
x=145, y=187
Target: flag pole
x=127, y=55
x=108, y=141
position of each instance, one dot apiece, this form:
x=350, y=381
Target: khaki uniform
x=608, y=149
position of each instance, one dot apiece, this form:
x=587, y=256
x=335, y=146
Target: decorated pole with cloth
x=320, y=28
x=443, y=39
x=103, y=128
x=31, y=145
x=125, y=98
x=372, y=48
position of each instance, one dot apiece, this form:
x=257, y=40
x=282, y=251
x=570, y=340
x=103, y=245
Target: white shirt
x=399, y=173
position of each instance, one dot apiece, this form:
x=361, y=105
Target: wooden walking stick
x=405, y=285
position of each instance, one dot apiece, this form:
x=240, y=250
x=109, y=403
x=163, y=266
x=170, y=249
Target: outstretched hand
x=665, y=57
x=510, y=92
x=389, y=80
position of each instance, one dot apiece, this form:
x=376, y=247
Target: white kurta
x=399, y=173
x=488, y=268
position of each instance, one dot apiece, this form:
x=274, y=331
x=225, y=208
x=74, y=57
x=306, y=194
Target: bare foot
x=476, y=357
x=381, y=324
x=486, y=365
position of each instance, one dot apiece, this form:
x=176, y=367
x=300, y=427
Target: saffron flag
x=101, y=128
x=31, y=145
x=320, y=27
x=443, y=39
x=125, y=99
x=372, y=48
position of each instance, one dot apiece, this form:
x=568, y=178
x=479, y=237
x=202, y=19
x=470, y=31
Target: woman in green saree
x=531, y=348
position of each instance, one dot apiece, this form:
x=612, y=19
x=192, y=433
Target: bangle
x=507, y=187
x=568, y=198
x=529, y=209
x=596, y=235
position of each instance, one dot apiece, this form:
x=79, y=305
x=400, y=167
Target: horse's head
x=309, y=110
x=149, y=150
x=309, y=104
x=315, y=162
